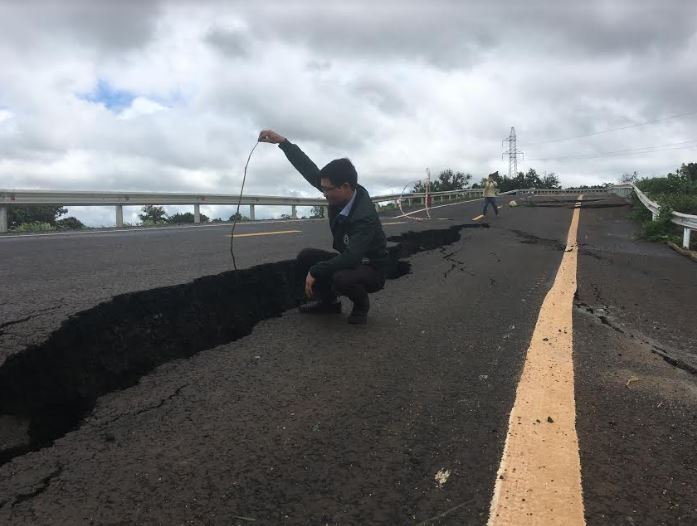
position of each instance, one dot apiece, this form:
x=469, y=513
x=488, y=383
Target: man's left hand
x=309, y=283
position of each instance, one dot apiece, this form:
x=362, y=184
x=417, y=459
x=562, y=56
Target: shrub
x=34, y=226
x=69, y=223
x=186, y=217
x=687, y=204
x=662, y=229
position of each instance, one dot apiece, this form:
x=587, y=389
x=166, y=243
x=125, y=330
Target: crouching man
x=359, y=266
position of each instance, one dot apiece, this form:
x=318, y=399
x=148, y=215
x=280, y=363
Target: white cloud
x=397, y=88
x=139, y=107
x=5, y=116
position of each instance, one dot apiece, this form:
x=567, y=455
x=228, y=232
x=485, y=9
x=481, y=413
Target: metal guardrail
x=68, y=198
x=121, y=199
x=623, y=190
x=687, y=221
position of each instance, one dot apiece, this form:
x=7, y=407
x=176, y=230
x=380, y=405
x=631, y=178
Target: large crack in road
x=47, y=389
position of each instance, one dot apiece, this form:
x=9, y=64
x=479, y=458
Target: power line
x=614, y=129
x=628, y=151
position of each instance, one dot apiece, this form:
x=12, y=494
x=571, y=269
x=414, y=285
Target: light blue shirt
x=347, y=209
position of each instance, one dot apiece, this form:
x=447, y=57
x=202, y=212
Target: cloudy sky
x=170, y=95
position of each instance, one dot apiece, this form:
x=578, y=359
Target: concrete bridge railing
x=120, y=199
x=687, y=221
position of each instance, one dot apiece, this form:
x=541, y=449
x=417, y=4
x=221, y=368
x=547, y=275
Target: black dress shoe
x=358, y=318
x=321, y=307
x=359, y=314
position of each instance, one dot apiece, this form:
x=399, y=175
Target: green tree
x=317, y=211
x=153, y=214
x=18, y=215
x=523, y=180
x=551, y=181
x=689, y=171
x=186, y=217
x=447, y=180
x=69, y=223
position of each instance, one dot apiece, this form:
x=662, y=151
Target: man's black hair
x=340, y=171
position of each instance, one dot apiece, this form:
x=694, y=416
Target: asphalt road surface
x=534, y=368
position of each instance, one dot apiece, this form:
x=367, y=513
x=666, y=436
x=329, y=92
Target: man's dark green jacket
x=359, y=238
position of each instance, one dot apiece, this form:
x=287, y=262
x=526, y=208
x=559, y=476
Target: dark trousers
x=490, y=201
x=354, y=283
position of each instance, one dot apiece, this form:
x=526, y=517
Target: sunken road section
x=46, y=390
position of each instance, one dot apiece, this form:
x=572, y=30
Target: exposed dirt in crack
x=33, y=315
x=675, y=357
x=531, y=239
x=455, y=264
x=55, y=384
x=41, y=486
x=13, y=322
x=593, y=253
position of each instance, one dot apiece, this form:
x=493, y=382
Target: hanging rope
x=236, y=217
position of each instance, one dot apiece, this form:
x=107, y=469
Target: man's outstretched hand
x=271, y=136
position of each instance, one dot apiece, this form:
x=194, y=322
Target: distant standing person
x=490, y=192
x=358, y=266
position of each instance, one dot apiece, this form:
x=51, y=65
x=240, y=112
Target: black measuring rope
x=237, y=212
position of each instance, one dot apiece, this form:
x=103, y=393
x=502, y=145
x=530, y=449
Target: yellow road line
x=539, y=478
x=395, y=223
x=276, y=232
x=477, y=218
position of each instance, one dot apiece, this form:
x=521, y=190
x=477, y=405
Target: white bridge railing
x=120, y=199
x=688, y=222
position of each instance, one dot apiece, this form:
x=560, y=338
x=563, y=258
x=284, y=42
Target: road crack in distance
x=675, y=357
x=454, y=263
x=531, y=239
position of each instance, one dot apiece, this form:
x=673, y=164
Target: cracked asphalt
x=308, y=420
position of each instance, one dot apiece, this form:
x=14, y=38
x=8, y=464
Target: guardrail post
x=119, y=216
x=3, y=218
x=252, y=214
x=197, y=214
x=686, y=238
x=294, y=212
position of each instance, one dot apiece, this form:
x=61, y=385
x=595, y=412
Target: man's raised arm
x=295, y=155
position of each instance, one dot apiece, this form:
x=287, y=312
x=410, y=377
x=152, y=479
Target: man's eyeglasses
x=327, y=189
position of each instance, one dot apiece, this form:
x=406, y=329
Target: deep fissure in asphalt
x=109, y=347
